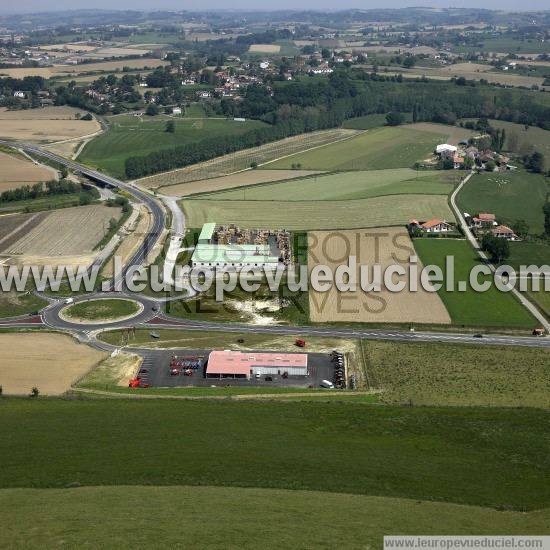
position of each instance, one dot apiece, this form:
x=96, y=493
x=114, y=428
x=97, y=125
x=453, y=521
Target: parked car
x=327, y=384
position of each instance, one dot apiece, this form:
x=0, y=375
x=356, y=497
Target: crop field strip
x=83, y=227
x=47, y=124
x=343, y=186
x=241, y=160
x=240, y=179
x=390, y=210
x=384, y=247
x=376, y=149
x=16, y=172
x=63, y=70
x=51, y=362
x=13, y=227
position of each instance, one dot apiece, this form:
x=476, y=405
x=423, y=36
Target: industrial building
x=238, y=364
x=233, y=249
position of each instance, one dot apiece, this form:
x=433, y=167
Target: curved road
x=157, y=211
x=149, y=317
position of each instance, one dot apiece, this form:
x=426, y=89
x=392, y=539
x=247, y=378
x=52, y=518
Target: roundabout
x=101, y=310
x=88, y=313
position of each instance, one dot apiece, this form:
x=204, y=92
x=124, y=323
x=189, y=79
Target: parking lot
x=167, y=368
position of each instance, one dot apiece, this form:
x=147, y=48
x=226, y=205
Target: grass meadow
x=178, y=516
x=470, y=308
x=498, y=455
x=130, y=136
x=377, y=149
x=107, y=308
x=458, y=374
x=510, y=196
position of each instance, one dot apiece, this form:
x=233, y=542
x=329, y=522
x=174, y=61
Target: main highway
x=158, y=213
x=152, y=318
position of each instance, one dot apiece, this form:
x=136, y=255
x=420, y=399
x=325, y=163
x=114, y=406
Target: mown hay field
x=340, y=186
x=383, y=211
x=16, y=172
x=240, y=179
x=383, y=247
x=241, y=160
x=15, y=226
x=497, y=77
x=60, y=70
x=50, y=362
x=48, y=124
x=458, y=374
x=376, y=149
x=66, y=232
x=264, y=48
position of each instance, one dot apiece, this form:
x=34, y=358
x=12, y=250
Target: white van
x=69, y=300
x=327, y=384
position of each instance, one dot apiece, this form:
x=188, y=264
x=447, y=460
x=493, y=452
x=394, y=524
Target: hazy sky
x=7, y=6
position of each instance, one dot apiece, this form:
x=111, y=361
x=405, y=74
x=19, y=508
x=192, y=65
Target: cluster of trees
x=534, y=162
x=119, y=201
x=312, y=104
x=497, y=248
x=40, y=189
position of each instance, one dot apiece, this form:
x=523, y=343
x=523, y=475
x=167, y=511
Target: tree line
x=318, y=103
x=42, y=189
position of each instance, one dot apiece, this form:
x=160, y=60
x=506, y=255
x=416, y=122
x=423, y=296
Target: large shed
x=238, y=364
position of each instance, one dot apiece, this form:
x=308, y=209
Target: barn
x=238, y=364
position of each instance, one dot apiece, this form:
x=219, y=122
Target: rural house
x=483, y=220
x=504, y=232
x=435, y=226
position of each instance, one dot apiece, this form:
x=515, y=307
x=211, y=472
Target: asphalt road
x=157, y=211
x=148, y=317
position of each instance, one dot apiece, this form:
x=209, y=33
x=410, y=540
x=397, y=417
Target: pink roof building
x=240, y=364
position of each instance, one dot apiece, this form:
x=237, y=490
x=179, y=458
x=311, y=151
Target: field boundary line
x=356, y=133
x=236, y=397
x=345, y=138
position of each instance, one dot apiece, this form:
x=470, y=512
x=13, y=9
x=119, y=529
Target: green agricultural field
x=417, y=453
x=528, y=253
x=397, y=147
x=347, y=186
x=541, y=299
x=366, y=122
x=96, y=310
x=508, y=44
x=176, y=515
x=383, y=211
x=509, y=195
x=130, y=136
x=490, y=309
x=458, y=374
